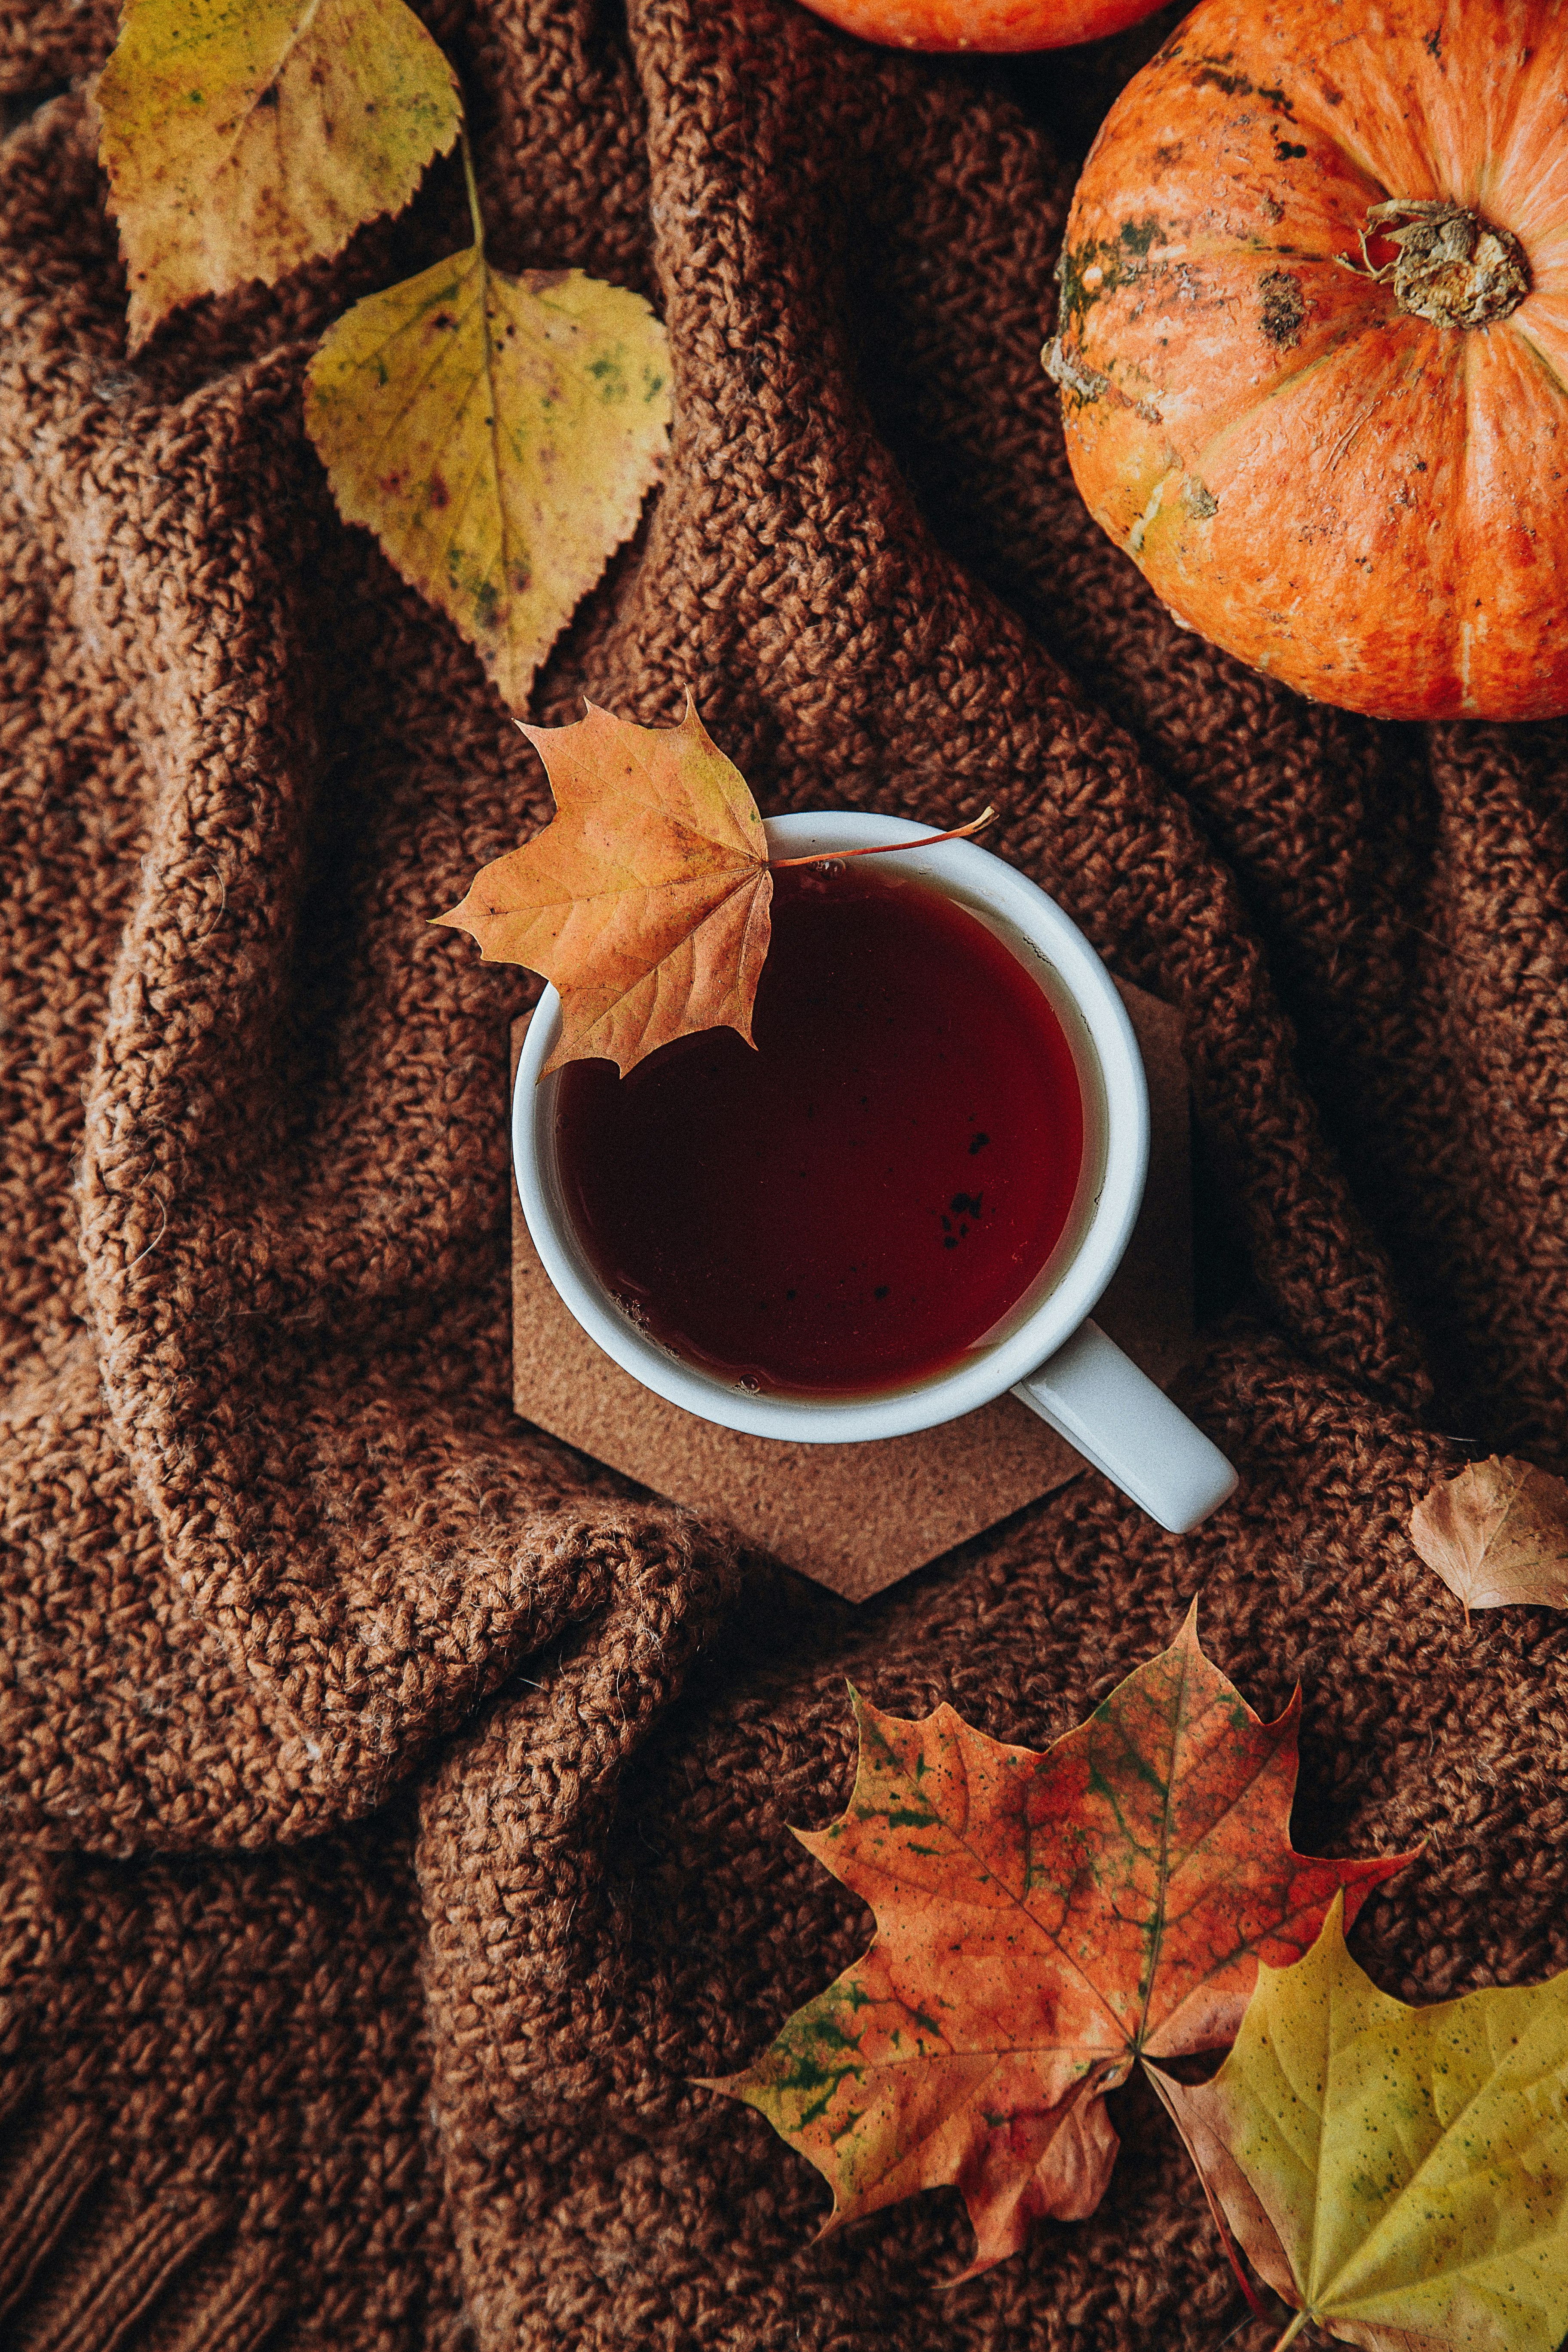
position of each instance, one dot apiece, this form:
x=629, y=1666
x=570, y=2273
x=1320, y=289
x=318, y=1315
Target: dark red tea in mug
x=859, y=1200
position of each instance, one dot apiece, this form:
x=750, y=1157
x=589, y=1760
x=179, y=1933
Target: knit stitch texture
x=395, y=1802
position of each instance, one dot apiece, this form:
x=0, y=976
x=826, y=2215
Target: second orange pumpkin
x=1313, y=345
x=982, y=24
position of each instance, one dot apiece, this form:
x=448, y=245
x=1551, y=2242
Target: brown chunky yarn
x=395, y=1805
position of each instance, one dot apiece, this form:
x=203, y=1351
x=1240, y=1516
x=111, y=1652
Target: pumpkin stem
x=1452, y=266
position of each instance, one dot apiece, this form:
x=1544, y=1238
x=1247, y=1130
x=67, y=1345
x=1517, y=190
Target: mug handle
x=1096, y=1399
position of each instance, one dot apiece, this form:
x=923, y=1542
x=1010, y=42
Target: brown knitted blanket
x=395, y=1802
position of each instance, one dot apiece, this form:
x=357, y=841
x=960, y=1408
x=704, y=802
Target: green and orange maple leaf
x=1043, y=1919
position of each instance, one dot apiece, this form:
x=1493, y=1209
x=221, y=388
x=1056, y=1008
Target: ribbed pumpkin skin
x=1368, y=505
x=983, y=24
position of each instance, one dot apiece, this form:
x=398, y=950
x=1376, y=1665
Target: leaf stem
x=1293, y=2331
x=1254, y=2300
x=880, y=848
x=475, y=215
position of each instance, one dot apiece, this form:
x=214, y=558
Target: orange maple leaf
x=1042, y=1918
x=645, y=899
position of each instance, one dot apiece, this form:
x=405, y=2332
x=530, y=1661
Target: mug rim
x=975, y=877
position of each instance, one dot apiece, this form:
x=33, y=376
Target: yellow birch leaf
x=1399, y=2175
x=1496, y=1534
x=244, y=137
x=646, y=899
x=498, y=436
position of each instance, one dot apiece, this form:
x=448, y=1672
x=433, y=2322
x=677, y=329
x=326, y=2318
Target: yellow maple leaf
x=498, y=436
x=646, y=899
x=244, y=137
x=1399, y=2175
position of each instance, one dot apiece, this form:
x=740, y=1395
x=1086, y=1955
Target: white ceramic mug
x=1047, y=1352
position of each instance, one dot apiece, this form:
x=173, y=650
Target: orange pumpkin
x=1313, y=344
x=983, y=24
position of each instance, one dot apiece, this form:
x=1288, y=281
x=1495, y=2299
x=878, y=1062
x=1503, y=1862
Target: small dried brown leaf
x=1496, y=1535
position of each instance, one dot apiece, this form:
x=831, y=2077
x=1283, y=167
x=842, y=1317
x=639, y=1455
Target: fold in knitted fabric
x=395, y=1802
